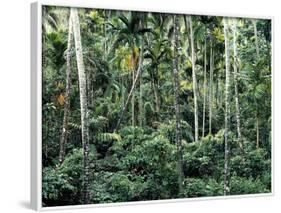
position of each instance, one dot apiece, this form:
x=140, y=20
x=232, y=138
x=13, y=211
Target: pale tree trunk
x=89, y=88
x=176, y=102
x=217, y=90
x=204, y=89
x=220, y=90
x=133, y=98
x=63, y=139
x=105, y=34
x=258, y=56
x=125, y=106
x=83, y=104
x=194, y=81
x=140, y=102
x=227, y=109
x=237, y=106
x=256, y=38
x=140, y=97
x=211, y=90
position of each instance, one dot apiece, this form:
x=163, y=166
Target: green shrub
x=243, y=185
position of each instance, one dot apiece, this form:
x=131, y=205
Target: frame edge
x=34, y=148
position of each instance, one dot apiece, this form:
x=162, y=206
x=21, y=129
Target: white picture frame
x=36, y=103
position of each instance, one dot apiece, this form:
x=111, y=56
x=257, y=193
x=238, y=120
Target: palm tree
x=83, y=104
x=131, y=33
x=235, y=64
x=63, y=138
x=176, y=102
x=211, y=87
x=156, y=52
x=258, y=58
x=49, y=18
x=204, y=87
x=194, y=80
x=227, y=108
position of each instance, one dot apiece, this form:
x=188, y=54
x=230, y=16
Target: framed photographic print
x=134, y=106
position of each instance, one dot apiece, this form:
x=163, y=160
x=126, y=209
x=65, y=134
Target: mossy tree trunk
x=176, y=102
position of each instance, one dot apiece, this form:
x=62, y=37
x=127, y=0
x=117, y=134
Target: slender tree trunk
x=105, y=34
x=83, y=104
x=133, y=97
x=258, y=56
x=227, y=109
x=204, y=89
x=258, y=134
x=89, y=88
x=217, y=91
x=256, y=38
x=211, y=90
x=194, y=81
x=237, y=106
x=140, y=97
x=156, y=89
x=123, y=91
x=63, y=139
x=157, y=98
x=125, y=106
x=140, y=102
x=176, y=102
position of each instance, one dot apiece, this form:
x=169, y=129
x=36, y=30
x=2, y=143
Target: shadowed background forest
x=146, y=106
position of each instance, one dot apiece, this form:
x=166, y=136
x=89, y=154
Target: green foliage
x=168, y=129
x=54, y=182
x=139, y=160
x=255, y=163
x=240, y=185
x=195, y=187
x=204, y=159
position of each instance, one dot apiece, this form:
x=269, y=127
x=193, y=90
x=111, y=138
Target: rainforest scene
x=140, y=106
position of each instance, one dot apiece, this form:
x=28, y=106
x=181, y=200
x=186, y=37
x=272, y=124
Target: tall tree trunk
x=237, y=106
x=140, y=95
x=217, y=91
x=83, y=104
x=133, y=96
x=156, y=91
x=258, y=56
x=194, y=81
x=63, y=139
x=220, y=89
x=258, y=135
x=227, y=109
x=256, y=38
x=211, y=89
x=204, y=89
x=140, y=102
x=176, y=102
x=105, y=34
x=89, y=88
x=125, y=106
